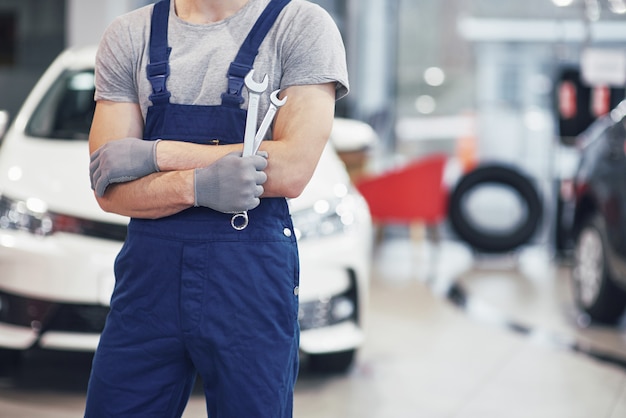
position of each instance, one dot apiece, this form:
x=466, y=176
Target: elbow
x=288, y=182
x=108, y=204
x=295, y=186
x=105, y=204
x=287, y=189
x=292, y=193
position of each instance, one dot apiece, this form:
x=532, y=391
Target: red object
x=601, y=101
x=567, y=100
x=412, y=193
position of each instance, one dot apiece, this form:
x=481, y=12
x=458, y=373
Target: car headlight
x=327, y=216
x=32, y=215
x=28, y=215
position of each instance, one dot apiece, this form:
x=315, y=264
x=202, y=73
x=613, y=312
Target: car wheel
x=516, y=186
x=594, y=290
x=338, y=362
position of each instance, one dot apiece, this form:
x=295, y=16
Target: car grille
x=316, y=314
x=325, y=312
x=44, y=316
x=79, y=318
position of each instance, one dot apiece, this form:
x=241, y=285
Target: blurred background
x=427, y=76
x=488, y=296
x=421, y=71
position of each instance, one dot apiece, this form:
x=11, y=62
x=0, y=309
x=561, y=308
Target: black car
x=599, y=223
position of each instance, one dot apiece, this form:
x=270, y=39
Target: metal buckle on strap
x=158, y=83
x=236, y=76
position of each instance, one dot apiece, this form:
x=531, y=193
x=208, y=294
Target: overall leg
x=246, y=346
x=141, y=368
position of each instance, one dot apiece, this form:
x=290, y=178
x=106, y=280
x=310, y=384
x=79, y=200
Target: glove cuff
x=195, y=188
x=154, y=156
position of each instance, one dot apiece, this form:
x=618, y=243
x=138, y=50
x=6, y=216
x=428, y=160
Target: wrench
x=275, y=104
x=239, y=221
x=254, y=94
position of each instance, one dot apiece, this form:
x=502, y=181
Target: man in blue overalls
x=192, y=294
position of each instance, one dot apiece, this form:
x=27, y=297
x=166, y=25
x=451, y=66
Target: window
x=67, y=109
x=8, y=39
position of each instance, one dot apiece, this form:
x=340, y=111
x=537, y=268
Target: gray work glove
x=231, y=184
x=120, y=161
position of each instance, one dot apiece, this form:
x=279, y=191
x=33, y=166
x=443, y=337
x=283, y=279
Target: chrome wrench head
x=275, y=100
x=275, y=104
x=254, y=94
x=253, y=86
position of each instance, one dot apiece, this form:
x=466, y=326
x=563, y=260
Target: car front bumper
x=55, y=291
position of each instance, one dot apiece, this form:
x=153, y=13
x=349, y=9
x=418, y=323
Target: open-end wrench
x=239, y=220
x=254, y=94
x=275, y=104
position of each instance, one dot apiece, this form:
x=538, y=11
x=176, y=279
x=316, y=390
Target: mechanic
x=193, y=295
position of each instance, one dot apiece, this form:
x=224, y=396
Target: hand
x=120, y=161
x=231, y=184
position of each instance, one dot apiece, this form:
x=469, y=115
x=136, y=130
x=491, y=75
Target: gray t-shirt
x=303, y=47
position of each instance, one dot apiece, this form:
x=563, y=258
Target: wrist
x=160, y=155
x=155, y=157
x=189, y=190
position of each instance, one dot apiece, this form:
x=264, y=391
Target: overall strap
x=244, y=60
x=159, y=68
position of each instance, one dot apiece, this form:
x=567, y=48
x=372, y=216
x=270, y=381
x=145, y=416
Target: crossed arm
x=301, y=130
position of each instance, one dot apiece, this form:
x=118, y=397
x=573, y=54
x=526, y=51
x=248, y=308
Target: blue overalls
x=193, y=294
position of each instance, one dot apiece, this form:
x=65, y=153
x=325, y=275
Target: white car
x=57, y=247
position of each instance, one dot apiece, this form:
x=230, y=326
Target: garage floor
x=450, y=334
x=510, y=346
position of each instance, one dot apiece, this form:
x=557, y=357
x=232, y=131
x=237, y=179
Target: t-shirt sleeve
x=114, y=74
x=315, y=53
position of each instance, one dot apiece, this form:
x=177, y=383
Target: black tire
x=339, y=362
x=594, y=289
x=493, y=241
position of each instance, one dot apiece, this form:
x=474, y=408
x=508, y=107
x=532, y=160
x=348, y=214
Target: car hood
x=53, y=171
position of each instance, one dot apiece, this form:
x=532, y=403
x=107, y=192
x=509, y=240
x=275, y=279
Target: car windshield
x=67, y=108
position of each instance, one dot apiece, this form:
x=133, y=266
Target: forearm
x=287, y=172
x=154, y=196
x=178, y=155
x=301, y=132
x=289, y=169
